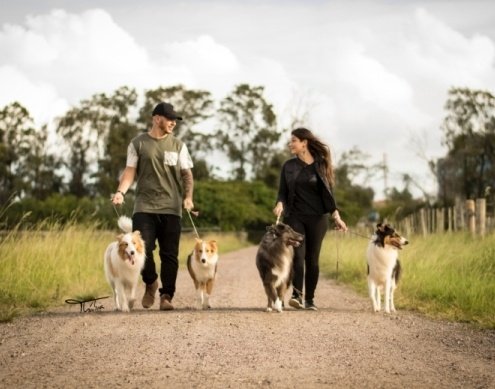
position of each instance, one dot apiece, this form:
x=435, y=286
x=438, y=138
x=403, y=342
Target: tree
x=468, y=169
x=270, y=175
x=22, y=159
x=247, y=130
x=121, y=129
x=354, y=200
x=87, y=129
x=41, y=176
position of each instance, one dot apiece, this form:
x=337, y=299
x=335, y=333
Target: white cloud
x=367, y=76
x=39, y=97
x=77, y=55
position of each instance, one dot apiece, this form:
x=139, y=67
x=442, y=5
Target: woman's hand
x=279, y=208
x=339, y=223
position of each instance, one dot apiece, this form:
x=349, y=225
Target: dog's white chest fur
x=381, y=261
x=282, y=271
x=202, y=266
x=123, y=261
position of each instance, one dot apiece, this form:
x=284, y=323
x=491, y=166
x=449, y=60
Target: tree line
x=69, y=168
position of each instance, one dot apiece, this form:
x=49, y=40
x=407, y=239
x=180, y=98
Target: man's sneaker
x=166, y=303
x=309, y=304
x=296, y=302
x=149, y=295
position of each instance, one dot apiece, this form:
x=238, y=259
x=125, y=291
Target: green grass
x=447, y=276
x=42, y=267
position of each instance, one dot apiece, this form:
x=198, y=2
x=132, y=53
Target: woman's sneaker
x=309, y=304
x=296, y=302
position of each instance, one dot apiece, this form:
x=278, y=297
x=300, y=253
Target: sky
x=372, y=75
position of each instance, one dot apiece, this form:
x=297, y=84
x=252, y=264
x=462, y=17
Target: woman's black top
x=304, y=190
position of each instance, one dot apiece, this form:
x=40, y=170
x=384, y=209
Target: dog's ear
x=213, y=243
x=273, y=228
x=388, y=228
x=119, y=237
x=198, y=241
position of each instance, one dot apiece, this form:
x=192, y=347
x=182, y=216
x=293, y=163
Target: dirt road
x=238, y=345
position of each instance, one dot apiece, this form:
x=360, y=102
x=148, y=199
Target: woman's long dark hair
x=319, y=150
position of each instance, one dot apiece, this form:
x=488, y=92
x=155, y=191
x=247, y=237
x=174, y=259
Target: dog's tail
x=125, y=223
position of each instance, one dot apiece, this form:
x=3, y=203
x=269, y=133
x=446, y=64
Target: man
x=161, y=165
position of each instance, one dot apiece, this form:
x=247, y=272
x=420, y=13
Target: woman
x=305, y=198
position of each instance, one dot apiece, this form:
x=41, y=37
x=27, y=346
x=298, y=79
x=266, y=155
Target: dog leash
x=115, y=209
x=192, y=222
x=357, y=234
x=93, y=306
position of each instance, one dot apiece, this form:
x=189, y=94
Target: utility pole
x=385, y=174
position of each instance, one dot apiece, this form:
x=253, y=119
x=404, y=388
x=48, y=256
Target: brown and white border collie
x=274, y=262
x=123, y=262
x=202, y=266
x=383, y=265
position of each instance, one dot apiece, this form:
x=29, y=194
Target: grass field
x=449, y=276
x=43, y=267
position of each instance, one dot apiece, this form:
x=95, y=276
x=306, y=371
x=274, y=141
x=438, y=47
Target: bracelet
x=122, y=193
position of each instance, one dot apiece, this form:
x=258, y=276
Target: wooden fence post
x=440, y=220
x=459, y=220
x=451, y=219
x=471, y=216
x=422, y=222
x=481, y=216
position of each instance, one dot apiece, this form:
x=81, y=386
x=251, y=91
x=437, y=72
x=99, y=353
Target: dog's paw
x=268, y=309
x=277, y=305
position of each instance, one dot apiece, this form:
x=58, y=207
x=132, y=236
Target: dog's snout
x=203, y=260
x=132, y=252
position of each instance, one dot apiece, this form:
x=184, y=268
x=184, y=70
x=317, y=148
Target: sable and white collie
x=123, y=262
x=202, y=266
x=383, y=265
x=274, y=262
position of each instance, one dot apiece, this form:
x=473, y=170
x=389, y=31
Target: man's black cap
x=167, y=110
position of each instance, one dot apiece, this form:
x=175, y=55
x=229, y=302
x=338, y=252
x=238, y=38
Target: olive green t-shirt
x=158, y=163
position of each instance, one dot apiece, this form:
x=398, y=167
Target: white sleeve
x=132, y=156
x=185, y=160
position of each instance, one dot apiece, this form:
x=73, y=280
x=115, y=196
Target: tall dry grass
x=42, y=267
x=449, y=276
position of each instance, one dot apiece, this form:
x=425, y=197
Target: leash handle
x=192, y=222
x=115, y=209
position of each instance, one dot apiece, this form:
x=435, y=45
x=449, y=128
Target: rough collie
x=202, y=266
x=123, y=262
x=383, y=265
x=274, y=262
